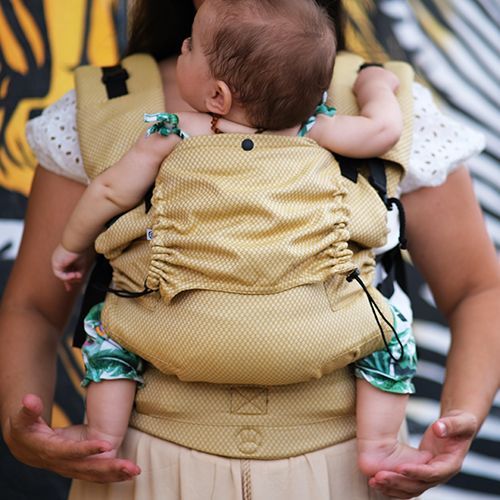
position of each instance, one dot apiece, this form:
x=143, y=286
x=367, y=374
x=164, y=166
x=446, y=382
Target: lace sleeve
x=440, y=144
x=54, y=139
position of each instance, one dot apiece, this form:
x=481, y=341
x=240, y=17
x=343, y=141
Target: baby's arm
x=118, y=189
x=377, y=127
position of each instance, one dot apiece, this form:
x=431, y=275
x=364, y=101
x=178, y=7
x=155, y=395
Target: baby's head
x=275, y=56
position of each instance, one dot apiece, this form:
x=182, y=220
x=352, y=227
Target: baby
x=249, y=67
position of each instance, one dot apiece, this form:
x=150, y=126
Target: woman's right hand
x=33, y=442
x=34, y=310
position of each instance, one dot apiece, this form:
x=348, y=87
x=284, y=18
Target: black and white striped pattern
x=454, y=47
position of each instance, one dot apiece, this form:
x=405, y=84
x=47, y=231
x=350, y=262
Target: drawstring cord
x=354, y=275
x=125, y=293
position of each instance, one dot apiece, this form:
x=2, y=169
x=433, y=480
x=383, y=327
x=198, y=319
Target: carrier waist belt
x=248, y=421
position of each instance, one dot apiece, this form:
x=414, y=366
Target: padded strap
x=378, y=178
x=115, y=80
x=394, y=266
x=348, y=167
x=99, y=280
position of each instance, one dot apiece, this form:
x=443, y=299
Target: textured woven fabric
x=283, y=338
x=248, y=422
x=109, y=127
x=264, y=267
x=247, y=221
x=281, y=390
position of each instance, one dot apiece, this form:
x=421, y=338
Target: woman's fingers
x=65, y=451
x=434, y=472
x=456, y=424
x=409, y=480
x=396, y=485
x=100, y=470
x=62, y=449
x=32, y=408
x=28, y=421
x=97, y=470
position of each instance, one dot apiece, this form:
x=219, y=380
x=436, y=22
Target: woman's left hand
x=448, y=439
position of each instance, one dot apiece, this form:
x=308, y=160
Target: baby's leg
x=384, y=381
x=112, y=374
x=109, y=404
x=379, y=417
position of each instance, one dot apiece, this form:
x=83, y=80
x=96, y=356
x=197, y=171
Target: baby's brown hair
x=276, y=56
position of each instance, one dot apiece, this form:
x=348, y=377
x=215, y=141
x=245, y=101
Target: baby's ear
x=220, y=98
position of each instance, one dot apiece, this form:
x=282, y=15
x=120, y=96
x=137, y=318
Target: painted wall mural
x=453, y=45
x=41, y=42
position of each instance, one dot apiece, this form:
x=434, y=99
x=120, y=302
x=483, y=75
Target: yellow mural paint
x=14, y=176
x=432, y=26
x=59, y=418
x=102, y=47
x=67, y=358
x=360, y=33
x=64, y=25
x=31, y=31
x=4, y=85
x=65, y=30
x=14, y=55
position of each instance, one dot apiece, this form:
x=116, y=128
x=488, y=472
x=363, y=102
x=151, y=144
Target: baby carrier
x=245, y=279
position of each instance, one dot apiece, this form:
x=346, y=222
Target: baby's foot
x=84, y=432
x=114, y=440
x=385, y=454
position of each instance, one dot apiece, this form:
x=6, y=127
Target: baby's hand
x=68, y=266
x=375, y=76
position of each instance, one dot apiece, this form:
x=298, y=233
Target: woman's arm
x=449, y=244
x=460, y=264
x=33, y=313
x=377, y=127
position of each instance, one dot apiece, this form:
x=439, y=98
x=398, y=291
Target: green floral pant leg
x=105, y=359
x=383, y=372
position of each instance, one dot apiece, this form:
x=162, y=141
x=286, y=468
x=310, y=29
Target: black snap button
x=247, y=144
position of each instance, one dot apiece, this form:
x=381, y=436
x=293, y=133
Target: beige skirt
x=172, y=472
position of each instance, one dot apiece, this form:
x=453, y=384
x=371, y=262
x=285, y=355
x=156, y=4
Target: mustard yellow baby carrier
x=251, y=322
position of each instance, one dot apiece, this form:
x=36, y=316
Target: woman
x=469, y=300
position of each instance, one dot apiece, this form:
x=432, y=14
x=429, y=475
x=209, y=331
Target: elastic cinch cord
x=354, y=275
x=125, y=293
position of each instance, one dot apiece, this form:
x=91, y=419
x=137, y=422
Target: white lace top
x=439, y=143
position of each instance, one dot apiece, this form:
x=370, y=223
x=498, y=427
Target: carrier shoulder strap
x=385, y=173
x=342, y=97
x=111, y=102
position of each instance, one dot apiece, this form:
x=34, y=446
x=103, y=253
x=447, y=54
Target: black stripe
x=481, y=484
